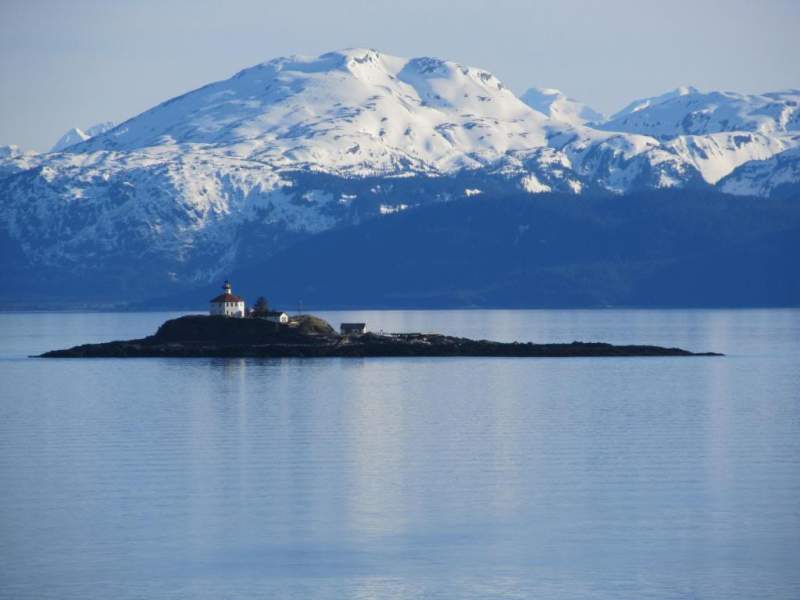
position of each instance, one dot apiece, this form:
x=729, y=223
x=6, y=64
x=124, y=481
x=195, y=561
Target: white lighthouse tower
x=227, y=304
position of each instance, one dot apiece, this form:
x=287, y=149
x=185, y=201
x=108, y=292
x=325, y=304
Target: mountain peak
x=73, y=136
x=685, y=90
x=352, y=108
x=346, y=60
x=643, y=103
x=558, y=106
x=77, y=135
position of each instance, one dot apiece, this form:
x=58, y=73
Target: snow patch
x=531, y=184
x=388, y=209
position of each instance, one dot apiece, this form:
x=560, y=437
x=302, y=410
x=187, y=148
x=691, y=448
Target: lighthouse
x=227, y=304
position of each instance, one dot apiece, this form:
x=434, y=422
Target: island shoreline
x=309, y=337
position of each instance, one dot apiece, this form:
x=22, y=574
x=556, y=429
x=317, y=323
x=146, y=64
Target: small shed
x=277, y=316
x=352, y=328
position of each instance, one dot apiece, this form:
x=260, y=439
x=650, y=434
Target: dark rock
x=308, y=337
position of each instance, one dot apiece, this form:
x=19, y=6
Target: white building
x=277, y=317
x=226, y=304
x=353, y=328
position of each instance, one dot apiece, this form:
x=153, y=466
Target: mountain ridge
x=245, y=167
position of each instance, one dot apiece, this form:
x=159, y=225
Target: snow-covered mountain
x=644, y=103
x=355, y=111
x=559, y=107
x=716, y=132
x=13, y=159
x=779, y=174
x=363, y=113
x=688, y=111
x=241, y=168
x=76, y=135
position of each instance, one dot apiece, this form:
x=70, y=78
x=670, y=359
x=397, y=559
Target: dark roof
x=352, y=326
x=274, y=313
x=227, y=298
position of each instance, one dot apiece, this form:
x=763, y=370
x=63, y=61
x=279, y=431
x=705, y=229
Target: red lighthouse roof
x=226, y=298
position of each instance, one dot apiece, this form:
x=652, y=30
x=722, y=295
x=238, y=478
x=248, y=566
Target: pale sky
x=77, y=62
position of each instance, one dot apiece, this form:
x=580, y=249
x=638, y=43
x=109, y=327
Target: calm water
x=406, y=478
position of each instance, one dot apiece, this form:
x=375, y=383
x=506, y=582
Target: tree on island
x=261, y=308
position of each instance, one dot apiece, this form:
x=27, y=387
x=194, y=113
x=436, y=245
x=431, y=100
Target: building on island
x=227, y=304
x=277, y=316
x=352, y=328
x=261, y=310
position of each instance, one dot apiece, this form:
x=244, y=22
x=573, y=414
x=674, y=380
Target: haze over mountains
x=239, y=170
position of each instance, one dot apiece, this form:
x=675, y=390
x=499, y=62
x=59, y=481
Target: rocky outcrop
x=310, y=337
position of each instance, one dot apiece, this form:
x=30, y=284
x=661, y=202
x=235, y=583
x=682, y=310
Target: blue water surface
x=406, y=478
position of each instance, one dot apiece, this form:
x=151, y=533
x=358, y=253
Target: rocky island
x=306, y=336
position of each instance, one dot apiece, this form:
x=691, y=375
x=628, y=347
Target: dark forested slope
x=661, y=248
